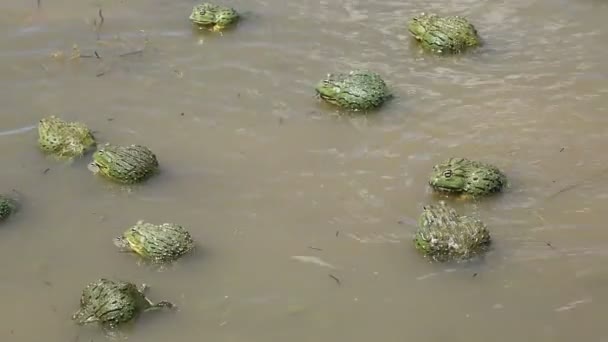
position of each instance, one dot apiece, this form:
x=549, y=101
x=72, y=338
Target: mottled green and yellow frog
x=214, y=17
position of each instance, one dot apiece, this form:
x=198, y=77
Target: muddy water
x=260, y=172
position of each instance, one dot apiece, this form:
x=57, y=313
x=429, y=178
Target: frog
x=63, y=139
x=124, y=164
x=444, y=235
x=112, y=303
x=444, y=34
x=159, y=243
x=8, y=206
x=468, y=178
x=357, y=90
x=214, y=17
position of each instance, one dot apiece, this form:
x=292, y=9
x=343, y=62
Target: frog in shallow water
x=113, y=302
x=124, y=164
x=8, y=206
x=215, y=17
x=449, y=34
x=357, y=90
x=64, y=139
x=159, y=243
x=467, y=177
x=444, y=235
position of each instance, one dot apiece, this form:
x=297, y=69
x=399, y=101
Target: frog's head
x=45, y=124
x=329, y=88
x=121, y=242
x=84, y=316
x=203, y=14
x=102, y=161
x=419, y=24
x=450, y=176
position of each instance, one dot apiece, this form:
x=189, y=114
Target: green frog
x=124, y=164
x=214, y=17
x=467, y=177
x=159, y=243
x=62, y=139
x=8, y=206
x=357, y=90
x=114, y=302
x=449, y=34
x=444, y=235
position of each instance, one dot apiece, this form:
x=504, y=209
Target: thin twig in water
x=100, y=74
x=95, y=54
x=568, y=188
x=337, y=233
x=98, y=26
x=576, y=185
x=546, y=243
x=139, y=51
x=311, y=247
x=336, y=279
x=131, y=53
x=39, y=2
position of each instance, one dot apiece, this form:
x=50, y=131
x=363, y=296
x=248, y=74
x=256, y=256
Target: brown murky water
x=261, y=172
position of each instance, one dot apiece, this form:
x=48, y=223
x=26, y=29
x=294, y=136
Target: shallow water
x=280, y=193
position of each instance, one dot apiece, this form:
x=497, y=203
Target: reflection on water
x=305, y=218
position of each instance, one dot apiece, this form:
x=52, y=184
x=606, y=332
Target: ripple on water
x=532, y=101
x=18, y=130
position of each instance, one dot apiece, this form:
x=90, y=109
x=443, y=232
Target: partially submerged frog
x=214, y=17
x=64, y=139
x=449, y=34
x=113, y=302
x=124, y=164
x=8, y=206
x=444, y=235
x=356, y=90
x=467, y=177
x=158, y=243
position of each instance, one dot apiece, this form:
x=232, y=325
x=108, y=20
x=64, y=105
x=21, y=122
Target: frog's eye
x=447, y=173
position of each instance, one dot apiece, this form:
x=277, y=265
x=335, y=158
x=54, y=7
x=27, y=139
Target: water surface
x=260, y=171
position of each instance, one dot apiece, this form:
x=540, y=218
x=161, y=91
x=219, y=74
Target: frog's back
x=450, y=34
x=108, y=302
x=159, y=243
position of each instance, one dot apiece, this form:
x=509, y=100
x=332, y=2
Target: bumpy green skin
x=158, y=243
x=467, y=177
x=64, y=139
x=213, y=16
x=7, y=207
x=124, y=164
x=112, y=303
x=450, y=34
x=443, y=235
x=357, y=90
